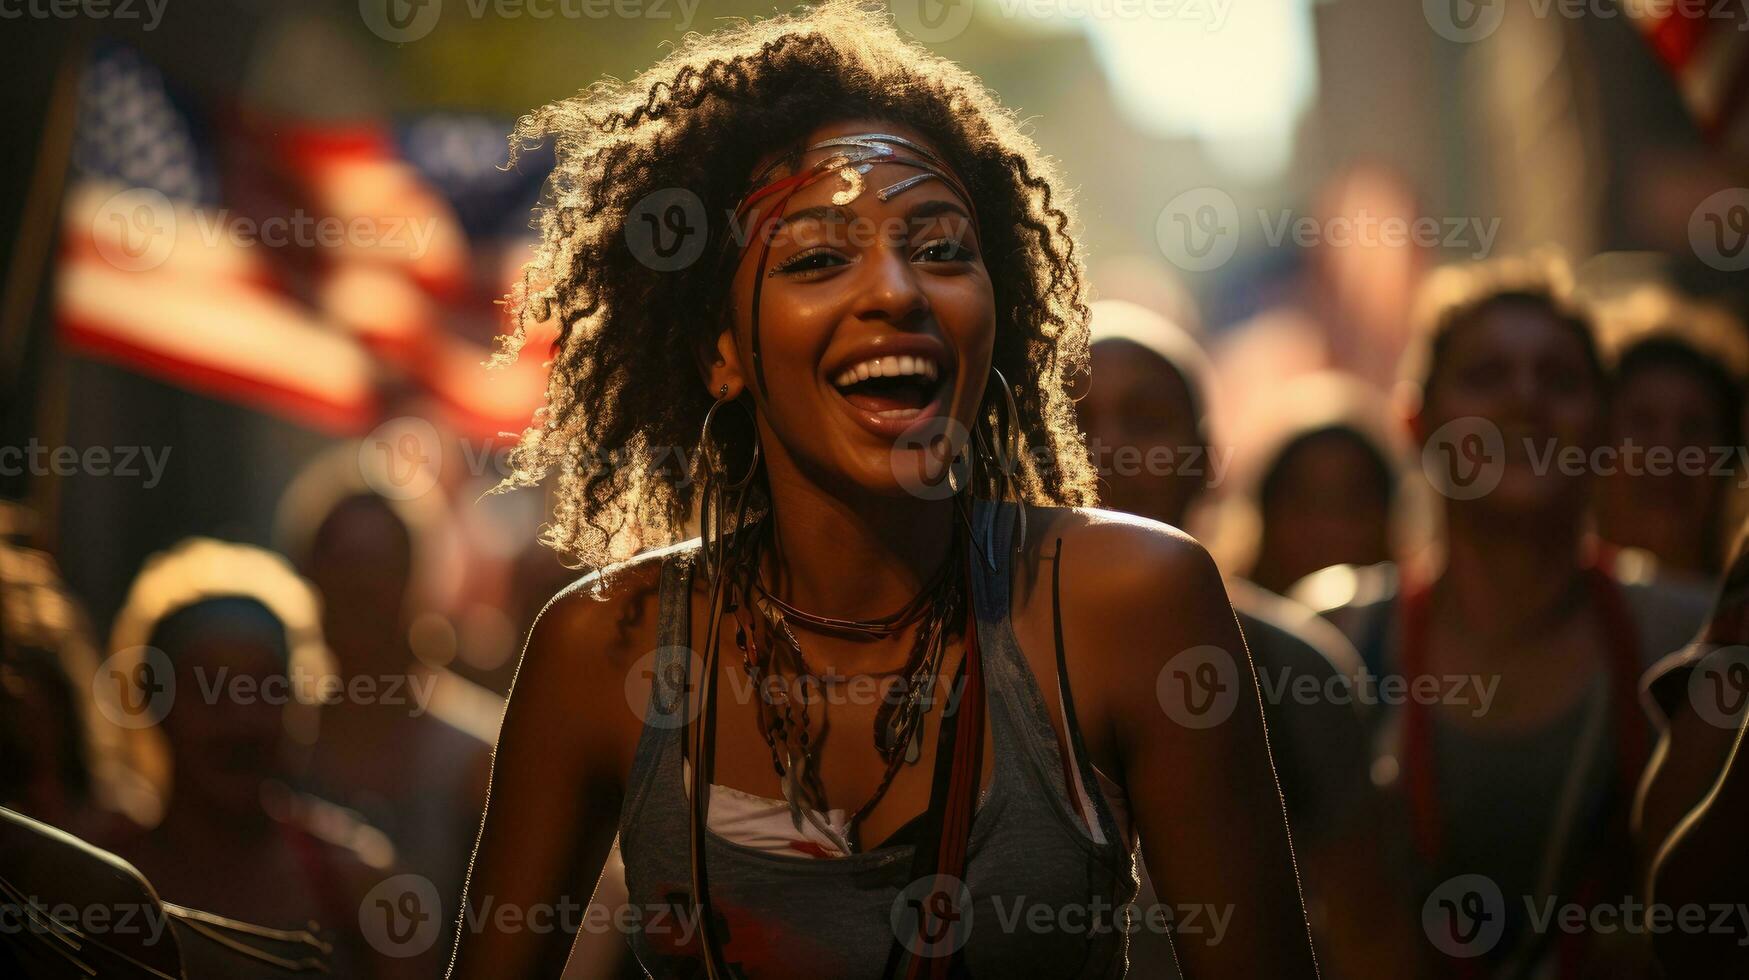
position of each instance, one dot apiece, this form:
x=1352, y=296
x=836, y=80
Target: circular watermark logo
x=1719, y=687
x=658, y=687
x=1199, y=229
x=400, y=21
x=932, y=460
x=1464, y=21
x=1718, y=230
x=1465, y=458
x=135, y=230
x=134, y=688
x=402, y=458
x=933, y=21
x=401, y=916
x=667, y=229
x=1199, y=687
x=932, y=916
x=1465, y=916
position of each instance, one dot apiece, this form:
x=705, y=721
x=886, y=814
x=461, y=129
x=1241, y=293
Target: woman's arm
x=552, y=807
x=1178, y=688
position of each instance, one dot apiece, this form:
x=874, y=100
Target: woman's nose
x=891, y=289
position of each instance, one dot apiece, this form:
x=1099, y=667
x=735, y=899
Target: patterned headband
x=862, y=151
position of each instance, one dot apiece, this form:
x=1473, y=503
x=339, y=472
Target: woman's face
x=876, y=323
x=1521, y=370
x=1142, y=426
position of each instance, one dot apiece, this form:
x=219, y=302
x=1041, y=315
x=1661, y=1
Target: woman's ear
x=719, y=364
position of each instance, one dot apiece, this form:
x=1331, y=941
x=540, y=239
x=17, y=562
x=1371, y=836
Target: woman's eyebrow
x=938, y=206
x=818, y=212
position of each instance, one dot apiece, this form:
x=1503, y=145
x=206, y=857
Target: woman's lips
x=890, y=418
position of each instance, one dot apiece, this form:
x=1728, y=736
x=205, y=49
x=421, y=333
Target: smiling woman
x=867, y=364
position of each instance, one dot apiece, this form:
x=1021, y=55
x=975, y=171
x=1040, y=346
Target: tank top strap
x=672, y=666
x=1019, y=716
x=654, y=784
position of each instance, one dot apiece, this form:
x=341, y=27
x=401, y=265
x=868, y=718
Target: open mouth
x=892, y=389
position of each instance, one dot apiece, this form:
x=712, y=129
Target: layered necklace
x=784, y=683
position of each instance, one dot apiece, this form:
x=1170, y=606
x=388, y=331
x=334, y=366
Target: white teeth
x=899, y=366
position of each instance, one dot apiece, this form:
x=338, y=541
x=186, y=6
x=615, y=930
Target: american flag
x=329, y=273
x=1705, y=45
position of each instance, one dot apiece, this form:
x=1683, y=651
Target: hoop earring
x=716, y=468
x=719, y=554
x=720, y=495
x=1000, y=451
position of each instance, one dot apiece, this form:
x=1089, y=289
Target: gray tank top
x=1046, y=899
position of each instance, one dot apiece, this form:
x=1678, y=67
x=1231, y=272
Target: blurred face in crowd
x=1326, y=502
x=1672, y=510
x=361, y=564
x=1518, y=368
x=225, y=747
x=1142, y=432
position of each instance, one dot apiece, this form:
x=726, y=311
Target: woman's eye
x=809, y=262
x=946, y=250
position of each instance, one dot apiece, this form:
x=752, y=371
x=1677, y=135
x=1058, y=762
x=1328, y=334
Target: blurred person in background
x=1144, y=413
x=1514, y=786
x=219, y=644
x=413, y=755
x=1326, y=489
x=1693, y=804
x=61, y=761
x=1678, y=389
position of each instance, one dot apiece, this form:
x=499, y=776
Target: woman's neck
x=1504, y=576
x=853, y=556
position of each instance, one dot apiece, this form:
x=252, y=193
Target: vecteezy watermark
x=127, y=462
x=668, y=229
x=137, y=229
x=1206, y=923
x=1210, y=462
x=151, y=12
x=1718, y=229
x=1363, y=229
x=1718, y=689
x=658, y=687
x=933, y=21
x=402, y=916
x=1283, y=686
x=1199, y=230
x=31, y=915
x=406, y=457
x=406, y=21
x=1199, y=687
x=1466, y=458
x=1466, y=917
x=1466, y=21
x=137, y=688
x=934, y=916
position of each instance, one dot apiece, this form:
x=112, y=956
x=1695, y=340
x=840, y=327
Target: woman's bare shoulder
x=1117, y=562
x=589, y=640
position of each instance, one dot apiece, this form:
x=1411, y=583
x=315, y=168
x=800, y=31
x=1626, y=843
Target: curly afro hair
x=624, y=403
